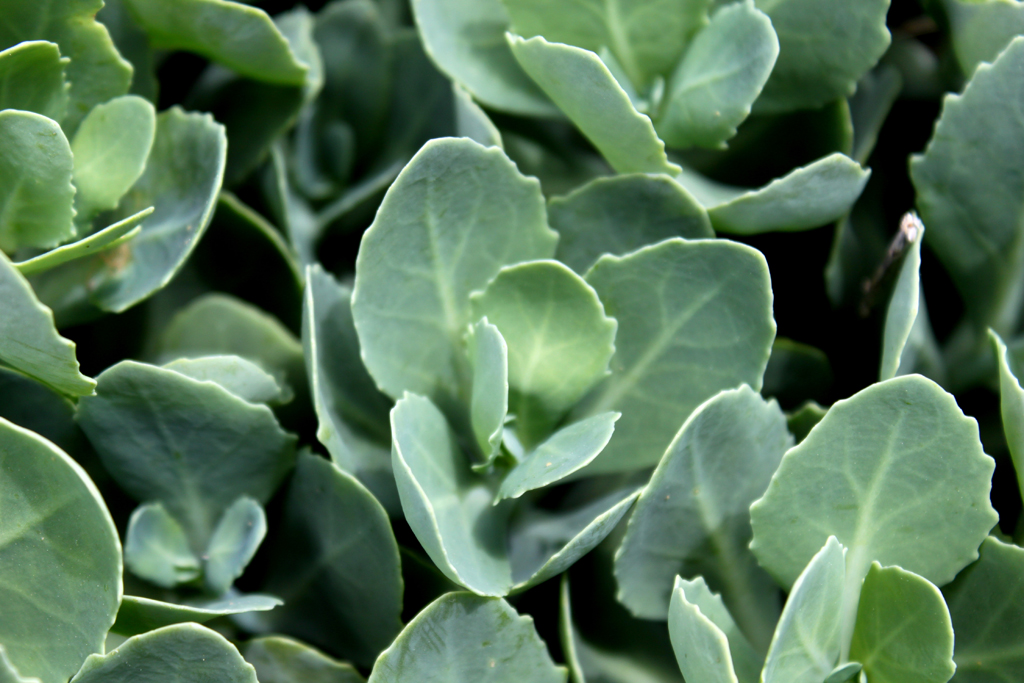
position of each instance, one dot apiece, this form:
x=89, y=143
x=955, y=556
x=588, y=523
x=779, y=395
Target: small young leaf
x=903, y=633
x=807, y=641
x=619, y=214
x=895, y=437
x=472, y=122
x=801, y=421
x=701, y=648
x=156, y=548
x=241, y=377
x=464, y=637
x=282, y=660
x=1011, y=406
x=181, y=652
x=844, y=673
x=36, y=194
x=582, y=87
x=745, y=660
x=32, y=79
x=109, y=237
x=141, y=615
x=719, y=77
x=238, y=535
x=901, y=316
x=488, y=356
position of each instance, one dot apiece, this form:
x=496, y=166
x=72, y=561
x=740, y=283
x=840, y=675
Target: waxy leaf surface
x=282, y=660
x=1011, y=406
x=141, y=615
x=488, y=410
x=235, y=540
x=901, y=316
x=745, y=660
x=701, y=647
x=32, y=79
x=156, y=547
x=243, y=378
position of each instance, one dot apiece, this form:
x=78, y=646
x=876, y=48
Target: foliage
x=331, y=336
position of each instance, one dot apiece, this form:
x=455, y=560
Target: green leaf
x=111, y=147
x=702, y=649
x=191, y=445
x=801, y=421
x=282, y=660
x=336, y=565
x=131, y=42
x=156, y=547
x=58, y=600
x=182, y=652
x=566, y=451
x=825, y=46
x=109, y=237
x=36, y=194
x=32, y=79
x=471, y=121
x=693, y=518
x=721, y=74
x=141, y=615
x=981, y=30
x=646, y=38
x=448, y=507
x=745, y=661
x=694, y=318
x=807, y=642
x=870, y=106
x=464, y=638
x=235, y=540
x=1011, y=406
x=456, y=214
x=8, y=674
x=488, y=357
x=901, y=315
x=903, y=633
x=466, y=39
x=985, y=604
x=901, y=435
x=40, y=409
x=583, y=88
x=621, y=213
x=807, y=197
x=845, y=673
x=970, y=194
x=29, y=341
x=558, y=337
x=243, y=378
x=241, y=37
x=543, y=544
x=96, y=72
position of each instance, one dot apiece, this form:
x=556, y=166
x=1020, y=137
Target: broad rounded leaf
x=456, y=214
x=896, y=473
x=466, y=39
x=141, y=615
x=243, y=378
x=583, y=87
x=282, y=660
x=156, y=547
x=621, y=213
x=336, y=565
x=694, y=318
x=904, y=633
x=182, y=652
x=235, y=540
x=719, y=77
x=32, y=79
x=60, y=559
x=36, y=194
x=464, y=638
x=191, y=445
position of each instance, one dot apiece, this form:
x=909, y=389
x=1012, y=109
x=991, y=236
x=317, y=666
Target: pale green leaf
x=901, y=315
x=807, y=197
x=32, y=79
x=693, y=518
x=96, y=72
x=235, y=540
x=907, y=484
x=181, y=652
x=721, y=74
x=702, y=649
x=981, y=30
x=336, y=565
x=807, y=642
x=238, y=36
x=282, y=660
x=586, y=91
x=471, y=121
x=156, y=547
x=241, y=377
x=111, y=147
x=29, y=341
x=558, y=337
x=621, y=213
x=801, y=421
x=1011, y=406
x=694, y=318
x=140, y=615
x=192, y=445
x=845, y=673
x=971, y=195
x=904, y=633
x=8, y=674
x=466, y=39
x=746, y=661
x=109, y=237
x=36, y=194
x=465, y=638
x=58, y=599
x=985, y=604
x=825, y=47
x=488, y=410
x=455, y=216
x=448, y=507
